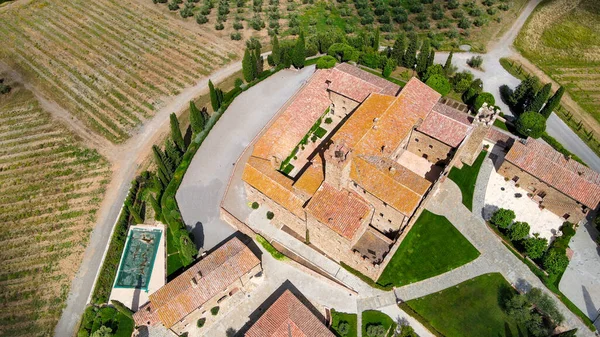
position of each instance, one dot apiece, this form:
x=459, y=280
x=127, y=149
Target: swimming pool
x=138, y=258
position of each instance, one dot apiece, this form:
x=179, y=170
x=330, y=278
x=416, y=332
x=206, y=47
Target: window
x=381, y=215
x=416, y=140
x=425, y=156
x=431, y=146
x=566, y=216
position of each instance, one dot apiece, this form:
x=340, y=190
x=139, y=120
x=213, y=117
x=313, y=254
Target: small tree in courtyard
x=518, y=231
x=503, y=218
x=439, y=83
x=535, y=246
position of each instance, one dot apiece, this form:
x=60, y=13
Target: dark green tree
x=518, y=308
x=570, y=333
x=135, y=215
x=399, y=49
x=155, y=207
x=435, y=69
x=540, y=98
x=423, y=57
x=439, y=83
x=172, y=152
x=299, y=54
x=531, y=124
x=122, y=308
x=535, y=246
x=187, y=248
x=484, y=97
x=276, y=52
x=503, y=218
x=518, y=231
x=376, y=40
x=410, y=56
x=162, y=177
x=196, y=118
x=219, y=94
x=176, y=133
x=448, y=63
x=431, y=58
x=553, y=102
x=214, y=101
x=259, y=62
x=159, y=158
x=388, y=68
x=555, y=261
x=247, y=67
x=524, y=93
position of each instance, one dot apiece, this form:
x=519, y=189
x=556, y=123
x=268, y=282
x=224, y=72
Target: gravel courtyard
x=204, y=184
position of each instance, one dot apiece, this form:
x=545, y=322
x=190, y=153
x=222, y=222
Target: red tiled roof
x=201, y=282
x=568, y=176
x=357, y=84
x=343, y=211
x=288, y=317
x=446, y=125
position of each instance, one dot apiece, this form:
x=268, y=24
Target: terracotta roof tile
x=288, y=317
x=261, y=175
x=398, y=187
x=311, y=178
x=414, y=102
x=202, y=281
x=357, y=84
x=449, y=127
x=571, y=178
x=343, y=211
x=386, y=87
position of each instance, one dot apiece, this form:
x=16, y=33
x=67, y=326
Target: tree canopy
x=531, y=124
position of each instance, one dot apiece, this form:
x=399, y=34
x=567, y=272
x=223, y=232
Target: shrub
x=200, y=322
x=214, y=311
x=270, y=215
x=503, y=218
x=555, y=261
x=535, y=246
x=464, y=23
x=328, y=120
x=531, y=124
x=219, y=26
x=376, y=330
x=239, y=82
x=236, y=36
x=173, y=6
x=237, y=25
x=545, y=304
x=518, y=231
x=343, y=328
x=255, y=205
x=201, y=19
x=326, y=62
x=475, y=61
x=439, y=83
x=484, y=97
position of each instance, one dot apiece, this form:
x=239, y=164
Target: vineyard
x=111, y=64
x=50, y=190
x=562, y=37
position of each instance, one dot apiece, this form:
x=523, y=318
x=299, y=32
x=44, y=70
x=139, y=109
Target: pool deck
x=134, y=298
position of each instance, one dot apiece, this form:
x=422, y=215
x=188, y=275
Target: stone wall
x=342, y=105
x=552, y=199
x=282, y=215
x=429, y=148
x=385, y=218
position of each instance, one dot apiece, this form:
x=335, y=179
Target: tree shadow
x=592, y=312
x=187, y=137
x=507, y=330
x=198, y=234
x=488, y=210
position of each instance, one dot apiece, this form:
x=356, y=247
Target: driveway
x=204, y=184
x=581, y=281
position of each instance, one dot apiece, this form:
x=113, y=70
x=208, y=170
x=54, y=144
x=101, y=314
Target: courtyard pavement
x=204, y=183
x=581, y=281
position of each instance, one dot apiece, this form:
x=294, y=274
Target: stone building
x=351, y=191
x=208, y=282
x=559, y=184
x=289, y=317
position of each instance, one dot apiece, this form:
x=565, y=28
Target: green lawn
x=466, y=177
x=500, y=124
x=337, y=317
x=375, y=317
x=173, y=258
x=269, y=248
x=432, y=247
x=472, y=308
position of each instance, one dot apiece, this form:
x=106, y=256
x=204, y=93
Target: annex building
x=559, y=184
x=347, y=162
x=210, y=281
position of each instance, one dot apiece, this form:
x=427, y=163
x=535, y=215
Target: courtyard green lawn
x=370, y=317
x=340, y=317
x=432, y=247
x=466, y=177
x=173, y=258
x=472, y=308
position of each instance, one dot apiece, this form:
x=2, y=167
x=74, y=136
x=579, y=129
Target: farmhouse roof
x=288, y=317
x=566, y=175
x=343, y=211
x=201, y=282
x=446, y=125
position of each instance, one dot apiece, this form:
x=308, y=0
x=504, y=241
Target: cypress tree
x=423, y=56
x=247, y=67
x=399, y=49
x=176, y=133
x=155, y=207
x=172, y=152
x=430, y=59
x=276, y=53
x=162, y=177
x=410, y=56
x=553, y=102
x=540, y=98
x=213, y=95
x=524, y=92
x=448, y=63
x=219, y=93
x=376, y=40
x=159, y=158
x=135, y=214
x=259, y=62
x=299, y=54
x=196, y=118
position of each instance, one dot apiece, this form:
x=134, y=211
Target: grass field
x=562, y=37
x=470, y=309
x=339, y=317
x=465, y=178
x=370, y=317
x=50, y=189
x=112, y=65
x=432, y=247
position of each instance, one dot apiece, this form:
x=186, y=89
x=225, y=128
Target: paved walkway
x=204, y=183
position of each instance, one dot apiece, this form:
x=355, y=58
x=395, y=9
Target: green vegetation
x=255, y=205
x=365, y=278
x=326, y=62
x=200, y=322
x=316, y=131
x=501, y=125
x=96, y=318
x=472, y=308
x=432, y=247
x=373, y=320
x=343, y=324
x=214, y=310
x=410, y=311
x=466, y=177
x=269, y=248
